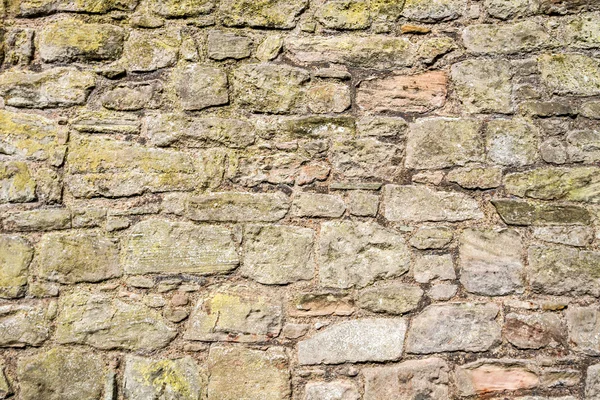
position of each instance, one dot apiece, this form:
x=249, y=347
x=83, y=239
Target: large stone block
x=26, y=324
x=518, y=212
x=584, y=329
x=16, y=254
x=512, y=142
x=574, y=74
x=344, y=14
x=182, y=8
x=149, y=51
x=512, y=38
x=489, y=376
x=238, y=207
x=434, y=10
x=391, y=298
x=30, y=8
x=199, y=86
x=279, y=14
x=17, y=185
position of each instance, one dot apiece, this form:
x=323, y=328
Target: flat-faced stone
x=17, y=185
x=77, y=257
x=106, y=122
x=106, y=323
x=278, y=254
x=241, y=373
x=235, y=314
x=534, y=331
x=199, y=86
x=30, y=8
x=365, y=159
x=432, y=266
x=16, y=254
x=24, y=324
x=149, y=51
x=334, y=390
x=476, y=177
x=484, y=86
x=454, y=327
x=434, y=10
x=344, y=14
x=582, y=146
x=518, y=212
x=584, y=329
x=579, y=236
x=133, y=96
x=504, y=9
x=420, y=204
x=317, y=205
x=182, y=8
x=38, y=220
x=428, y=378
x=225, y=45
x=592, y=381
x=371, y=339
x=488, y=376
x=522, y=36
x=320, y=304
x=363, y=204
x=328, y=97
x=511, y=142
x=392, y=298
x=231, y=206
x=279, y=14
x=359, y=253
x=574, y=74
x=431, y=237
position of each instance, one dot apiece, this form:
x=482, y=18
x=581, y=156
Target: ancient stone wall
x=299, y=199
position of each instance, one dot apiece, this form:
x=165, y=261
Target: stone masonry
x=299, y=199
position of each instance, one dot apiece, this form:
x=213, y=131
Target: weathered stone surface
x=443, y=142
x=590, y=109
x=133, y=96
x=149, y=51
x=511, y=142
x=146, y=378
x=583, y=146
x=163, y=247
x=39, y=220
x=278, y=254
x=182, y=8
x=335, y=390
x=223, y=45
x=431, y=238
x=584, y=329
x=280, y=14
x=534, y=331
x=16, y=183
x=476, y=177
x=592, y=381
x=582, y=31
x=24, y=324
x=106, y=122
x=580, y=184
x=243, y=207
x=363, y=204
x=319, y=304
x=30, y=8
x=329, y=97
x=237, y=315
x=454, y=327
x=270, y=48
x=359, y=253
x=420, y=203
x=56, y=87
x=403, y=93
x=430, y=266
x=392, y=298
x=507, y=9
x=488, y=376
x=113, y=168
x=484, y=86
x=73, y=40
x=507, y=38
x=16, y=254
x=62, y=374
x=574, y=74
x=517, y=212
x=241, y=373
x=371, y=339
x=317, y=205
x=563, y=270
x=373, y=52
x=344, y=14
x=5, y=386
x=434, y=10
x=414, y=379
x=490, y=262
x=361, y=159
x=106, y=323
x=77, y=257
x=270, y=88
x=580, y=236
x=199, y=86
x=442, y=291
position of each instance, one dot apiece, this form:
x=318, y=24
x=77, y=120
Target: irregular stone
x=434, y=10
x=554, y=151
x=30, y=8
x=106, y=122
x=334, y=390
x=359, y=253
x=559, y=270
x=592, y=381
x=414, y=379
x=583, y=146
x=279, y=14
x=369, y=339
x=71, y=40
x=488, y=376
x=238, y=315
x=484, y=86
x=580, y=236
x=476, y=177
x=320, y=304
x=392, y=298
x=5, y=387
x=146, y=378
x=443, y=142
x=511, y=142
x=517, y=212
x=294, y=331
x=431, y=237
x=198, y=86
x=77, y=257
x=420, y=204
x=382, y=127
x=533, y=331
x=112, y=168
x=378, y=51
x=24, y=324
x=16, y=183
x=240, y=373
x=223, y=45
x=430, y=266
x=522, y=36
x=317, y=205
x=590, y=109
x=504, y=9
x=361, y=159
x=158, y=246
x=242, y=207
x=19, y=47
x=574, y=74
x=270, y=48
x=329, y=97
x=490, y=262
x=56, y=87
x=402, y=93
x=62, y=374
x=16, y=254
x=432, y=49
x=582, y=32
x=178, y=130
x=270, y=88
x=566, y=6
x=277, y=167
x=106, y=323
x=133, y=96
x=344, y=14
x=148, y=51
x=182, y=8
x=454, y=327
x=570, y=184
x=442, y=291
x=278, y=254
x=363, y=204
x=546, y=108
x=584, y=329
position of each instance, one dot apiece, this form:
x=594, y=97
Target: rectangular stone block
x=489, y=376
x=238, y=207
x=17, y=185
x=16, y=254
x=24, y=324
x=518, y=212
x=507, y=38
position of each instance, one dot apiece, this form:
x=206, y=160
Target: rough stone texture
x=507, y=39
x=570, y=74
x=231, y=206
x=24, y=325
x=516, y=212
x=336, y=390
x=430, y=267
x=355, y=341
x=198, y=86
x=16, y=254
x=511, y=142
x=534, y=331
x=483, y=86
x=488, y=376
x=279, y=14
x=392, y=298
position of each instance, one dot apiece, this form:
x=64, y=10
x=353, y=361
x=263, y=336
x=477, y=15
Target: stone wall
x=299, y=200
